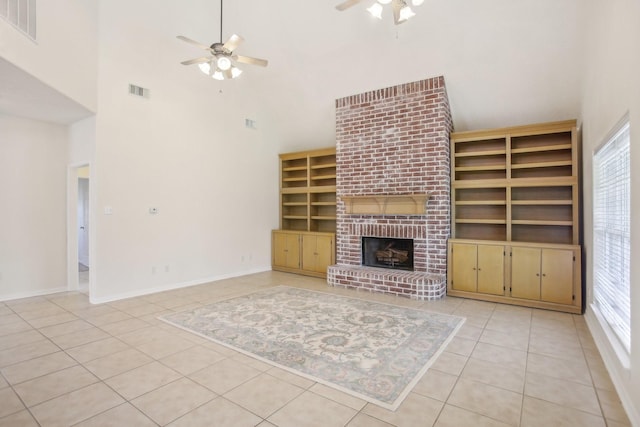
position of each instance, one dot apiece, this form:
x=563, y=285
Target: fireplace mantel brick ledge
x=394, y=142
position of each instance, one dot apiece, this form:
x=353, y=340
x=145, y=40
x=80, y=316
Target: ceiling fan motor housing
x=218, y=49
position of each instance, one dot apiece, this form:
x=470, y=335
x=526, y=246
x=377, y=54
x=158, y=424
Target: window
x=21, y=14
x=612, y=234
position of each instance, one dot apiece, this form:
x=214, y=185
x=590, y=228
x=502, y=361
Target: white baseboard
x=31, y=294
x=614, y=366
x=174, y=286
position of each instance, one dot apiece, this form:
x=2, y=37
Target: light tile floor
x=64, y=362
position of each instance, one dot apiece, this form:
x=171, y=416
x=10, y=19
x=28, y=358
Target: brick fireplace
x=394, y=142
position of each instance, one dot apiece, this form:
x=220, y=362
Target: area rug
x=371, y=350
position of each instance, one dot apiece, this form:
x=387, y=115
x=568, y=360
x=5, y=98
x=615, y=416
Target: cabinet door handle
x=474, y=269
x=537, y=274
x=479, y=269
x=544, y=275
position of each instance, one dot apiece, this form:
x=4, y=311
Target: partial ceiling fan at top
x=220, y=64
x=401, y=10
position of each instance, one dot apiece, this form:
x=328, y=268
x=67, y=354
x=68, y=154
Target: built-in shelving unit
x=307, y=206
x=516, y=185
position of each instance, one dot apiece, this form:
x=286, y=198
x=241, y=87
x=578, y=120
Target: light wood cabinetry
x=521, y=185
x=286, y=249
x=302, y=252
x=543, y=274
x=308, y=205
x=317, y=252
x=479, y=268
x=529, y=274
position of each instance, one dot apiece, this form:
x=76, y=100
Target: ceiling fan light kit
x=402, y=12
x=221, y=64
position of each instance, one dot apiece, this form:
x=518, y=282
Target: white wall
x=611, y=89
x=65, y=54
x=505, y=62
x=33, y=173
x=184, y=150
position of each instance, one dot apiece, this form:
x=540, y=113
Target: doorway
x=79, y=245
x=83, y=229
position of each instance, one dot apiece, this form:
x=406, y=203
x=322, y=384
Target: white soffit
x=23, y=95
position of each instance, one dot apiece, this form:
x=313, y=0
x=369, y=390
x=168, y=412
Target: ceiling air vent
x=21, y=14
x=138, y=91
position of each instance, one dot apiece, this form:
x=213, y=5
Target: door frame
x=72, y=226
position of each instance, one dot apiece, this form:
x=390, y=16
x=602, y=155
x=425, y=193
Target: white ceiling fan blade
x=250, y=60
x=193, y=42
x=233, y=42
x=200, y=60
x=397, y=6
x=347, y=4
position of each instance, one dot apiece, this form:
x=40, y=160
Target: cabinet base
x=298, y=271
x=515, y=301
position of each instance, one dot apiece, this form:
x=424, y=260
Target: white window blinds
x=612, y=241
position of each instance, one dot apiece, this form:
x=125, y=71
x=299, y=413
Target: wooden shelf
x=305, y=242
x=481, y=202
x=320, y=177
x=537, y=222
x=410, y=204
x=481, y=153
x=324, y=166
x=294, y=168
x=541, y=202
x=541, y=148
x=481, y=168
x=480, y=221
x=535, y=188
x=541, y=164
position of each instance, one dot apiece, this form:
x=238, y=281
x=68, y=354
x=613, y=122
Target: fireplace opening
x=387, y=253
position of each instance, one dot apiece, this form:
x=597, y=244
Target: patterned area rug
x=374, y=351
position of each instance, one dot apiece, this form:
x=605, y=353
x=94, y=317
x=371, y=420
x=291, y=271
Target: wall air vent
x=138, y=91
x=21, y=14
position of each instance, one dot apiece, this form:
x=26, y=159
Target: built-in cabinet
x=479, y=268
x=529, y=274
x=517, y=188
x=303, y=252
x=307, y=212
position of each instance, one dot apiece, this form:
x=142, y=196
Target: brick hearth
x=394, y=141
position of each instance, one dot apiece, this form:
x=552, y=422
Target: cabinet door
x=525, y=273
x=286, y=250
x=317, y=253
x=491, y=269
x=465, y=265
x=557, y=276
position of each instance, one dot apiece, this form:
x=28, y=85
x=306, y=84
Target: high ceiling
x=504, y=62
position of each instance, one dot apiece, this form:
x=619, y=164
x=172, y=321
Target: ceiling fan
x=220, y=64
x=401, y=10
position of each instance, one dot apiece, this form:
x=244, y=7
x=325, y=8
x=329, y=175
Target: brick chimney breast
x=394, y=141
